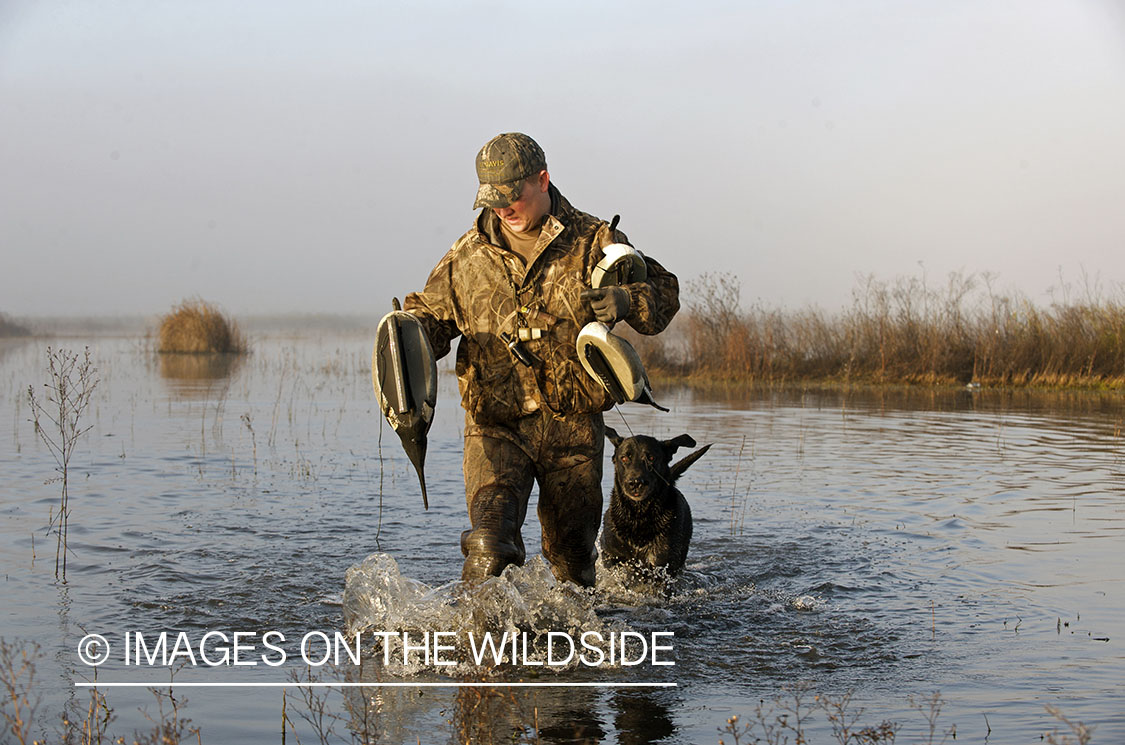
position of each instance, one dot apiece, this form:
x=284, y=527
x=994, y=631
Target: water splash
x=522, y=606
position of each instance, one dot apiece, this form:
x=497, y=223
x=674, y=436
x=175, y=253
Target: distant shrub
x=197, y=327
x=8, y=327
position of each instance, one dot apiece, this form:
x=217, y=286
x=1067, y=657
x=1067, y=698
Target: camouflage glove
x=610, y=304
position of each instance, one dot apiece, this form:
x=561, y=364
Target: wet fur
x=648, y=522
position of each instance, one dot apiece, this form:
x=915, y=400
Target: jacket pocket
x=566, y=384
x=492, y=396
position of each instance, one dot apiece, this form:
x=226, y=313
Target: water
x=882, y=545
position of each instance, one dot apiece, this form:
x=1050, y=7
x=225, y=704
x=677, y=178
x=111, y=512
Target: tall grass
x=898, y=331
x=197, y=327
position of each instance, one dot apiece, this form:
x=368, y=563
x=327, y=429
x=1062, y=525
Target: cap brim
x=496, y=196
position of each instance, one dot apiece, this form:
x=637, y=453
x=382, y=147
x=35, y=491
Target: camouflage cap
x=503, y=164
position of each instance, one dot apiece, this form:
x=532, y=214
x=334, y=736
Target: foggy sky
x=318, y=157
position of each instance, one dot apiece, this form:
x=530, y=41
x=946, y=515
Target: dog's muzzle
x=636, y=489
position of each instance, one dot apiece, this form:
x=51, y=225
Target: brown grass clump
x=197, y=327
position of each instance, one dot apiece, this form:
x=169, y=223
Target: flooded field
x=881, y=546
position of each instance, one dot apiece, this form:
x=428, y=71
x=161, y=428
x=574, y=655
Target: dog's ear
x=682, y=465
x=682, y=441
x=613, y=437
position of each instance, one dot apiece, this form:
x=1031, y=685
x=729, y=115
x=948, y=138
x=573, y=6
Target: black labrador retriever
x=648, y=522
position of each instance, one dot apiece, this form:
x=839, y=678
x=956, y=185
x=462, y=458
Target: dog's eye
x=624, y=458
x=649, y=459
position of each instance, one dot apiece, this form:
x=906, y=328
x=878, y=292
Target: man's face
x=528, y=211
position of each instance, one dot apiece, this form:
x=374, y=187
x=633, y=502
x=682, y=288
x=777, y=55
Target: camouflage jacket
x=480, y=290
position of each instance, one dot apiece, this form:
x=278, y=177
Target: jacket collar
x=488, y=224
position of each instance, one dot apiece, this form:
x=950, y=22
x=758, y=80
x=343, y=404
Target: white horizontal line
x=317, y=684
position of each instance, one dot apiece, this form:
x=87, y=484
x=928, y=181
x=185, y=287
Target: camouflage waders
x=564, y=455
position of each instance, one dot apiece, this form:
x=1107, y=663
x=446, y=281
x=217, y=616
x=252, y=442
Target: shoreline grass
x=899, y=332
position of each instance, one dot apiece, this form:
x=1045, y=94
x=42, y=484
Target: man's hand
x=609, y=303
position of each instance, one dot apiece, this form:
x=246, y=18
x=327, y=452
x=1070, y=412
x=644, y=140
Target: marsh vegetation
x=905, y=330
x=57, y=413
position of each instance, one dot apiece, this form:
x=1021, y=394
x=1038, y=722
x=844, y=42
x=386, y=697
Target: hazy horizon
x=292, y=158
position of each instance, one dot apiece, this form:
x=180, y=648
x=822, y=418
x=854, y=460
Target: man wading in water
x=511, y=287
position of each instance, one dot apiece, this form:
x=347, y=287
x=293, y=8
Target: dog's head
x=642, y=464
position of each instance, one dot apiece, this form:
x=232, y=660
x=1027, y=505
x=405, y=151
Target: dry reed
x=902, y=331
x=57, y=418
x=19, y=696
x=198, y=327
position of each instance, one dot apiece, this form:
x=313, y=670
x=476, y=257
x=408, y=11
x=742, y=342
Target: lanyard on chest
x=528, y=321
